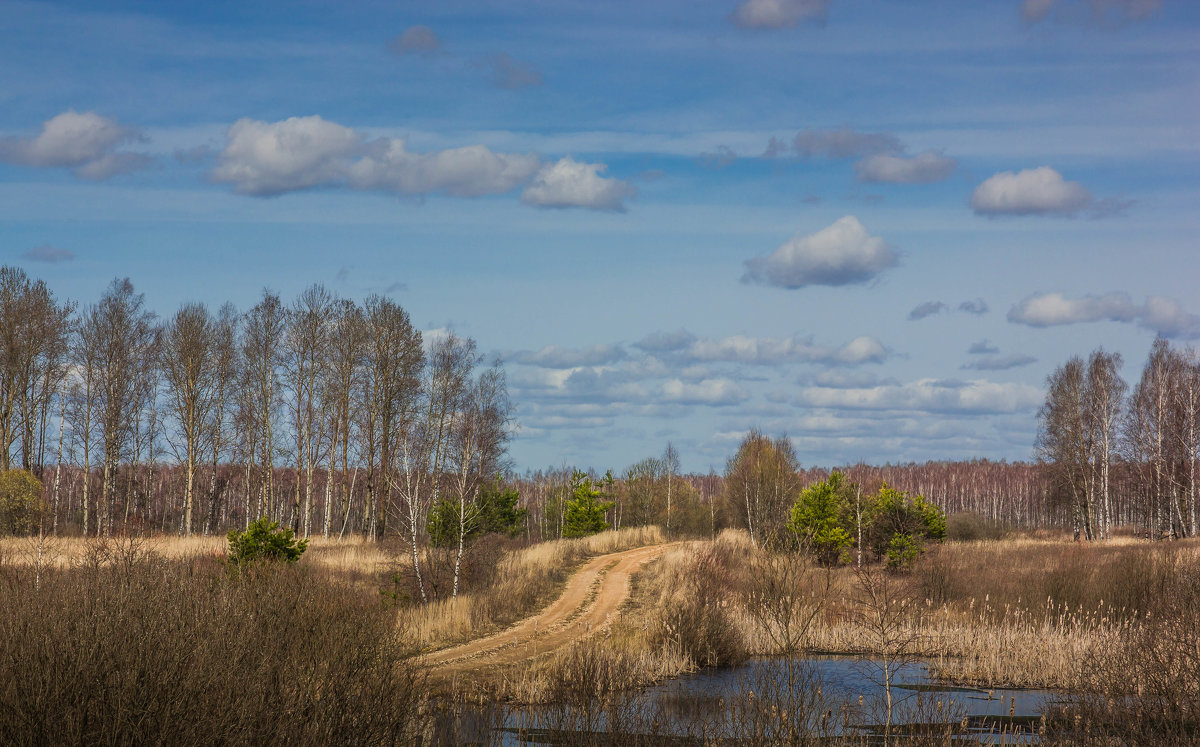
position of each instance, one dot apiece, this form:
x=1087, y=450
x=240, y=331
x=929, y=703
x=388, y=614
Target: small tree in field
x=822, y=520
x=585, y=511
x=899, y=525
x=21, y=503
x=264, y=540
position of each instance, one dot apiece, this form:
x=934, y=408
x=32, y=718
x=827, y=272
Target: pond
x=821, y=698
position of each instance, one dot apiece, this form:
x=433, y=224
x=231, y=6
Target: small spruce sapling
x=264, y=540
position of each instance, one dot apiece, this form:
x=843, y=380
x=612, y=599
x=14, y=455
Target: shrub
x=695, y=620
x=264, y=540
x=132, y=648
x=21, y=503
x=895, y=514
x=967, y=526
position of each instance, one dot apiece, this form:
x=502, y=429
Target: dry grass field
x=1106, y=621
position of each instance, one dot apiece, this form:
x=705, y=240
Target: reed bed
x=1028, y=612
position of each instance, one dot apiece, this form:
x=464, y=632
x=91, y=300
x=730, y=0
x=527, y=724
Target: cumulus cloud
x=930, y=395
x=1000, y=362
x=415, y=40
x=778, y=14
x=49, y=254
x=271, y=158
x=929, y=308
x=978, y=307
x=983, y=347
x=471, y=171
x=923, y=168
x=774, y=350
x=841, y=254
x=1160, y=314
x=1099, y=12
x=842, y=142
x=569, y=183
x=1040, y=191
x=87, y=143
x=660, y=342
x=554, y=356
x=512, y=74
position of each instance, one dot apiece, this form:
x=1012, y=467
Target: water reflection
x=824, y=698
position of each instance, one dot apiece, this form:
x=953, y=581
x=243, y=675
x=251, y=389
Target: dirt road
x=588, y=604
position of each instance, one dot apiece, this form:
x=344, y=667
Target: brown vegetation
x=133, y=647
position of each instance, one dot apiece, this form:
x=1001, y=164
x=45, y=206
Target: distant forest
x=336, y=418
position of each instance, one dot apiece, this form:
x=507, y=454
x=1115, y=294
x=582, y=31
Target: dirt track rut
x=589, y=603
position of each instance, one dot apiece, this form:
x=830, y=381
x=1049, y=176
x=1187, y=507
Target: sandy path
x=588, y=604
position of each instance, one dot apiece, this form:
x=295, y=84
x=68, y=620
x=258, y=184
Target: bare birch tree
x=121, y=334
x=262, y=356
x=190, y=368
x=307, y=346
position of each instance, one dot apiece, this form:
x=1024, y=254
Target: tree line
x=1120, y=456
x=323, y=414
x=338, y=418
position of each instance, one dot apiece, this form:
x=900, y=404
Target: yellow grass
x=983, y=641
x=344, y=556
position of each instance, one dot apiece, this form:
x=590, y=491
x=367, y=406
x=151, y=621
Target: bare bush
x=130, y=647
x=695, y=619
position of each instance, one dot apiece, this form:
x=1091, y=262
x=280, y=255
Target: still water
x=766, y=700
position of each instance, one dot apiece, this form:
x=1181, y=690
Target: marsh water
x=766, y=700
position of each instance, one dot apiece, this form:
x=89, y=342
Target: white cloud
x=923, y=168
x=85, y=142
x=1040, y=191
x=983, y=347
x=841, y=254
x=1160, y=314
x=778, y=14
x=554, y=356
x=929, y=395
x=1167, y=317
x=470, y=171
x=768, y=351
x=415, y=39
x=1051, y=309
x=50, y=254
x=842, y=142
x=713, y=392
x=569, y=183
x=929, y=308
x=272, y=158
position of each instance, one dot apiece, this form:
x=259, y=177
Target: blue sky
x=672, y=220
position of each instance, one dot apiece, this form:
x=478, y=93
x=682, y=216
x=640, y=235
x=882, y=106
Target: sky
x=873, y=227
